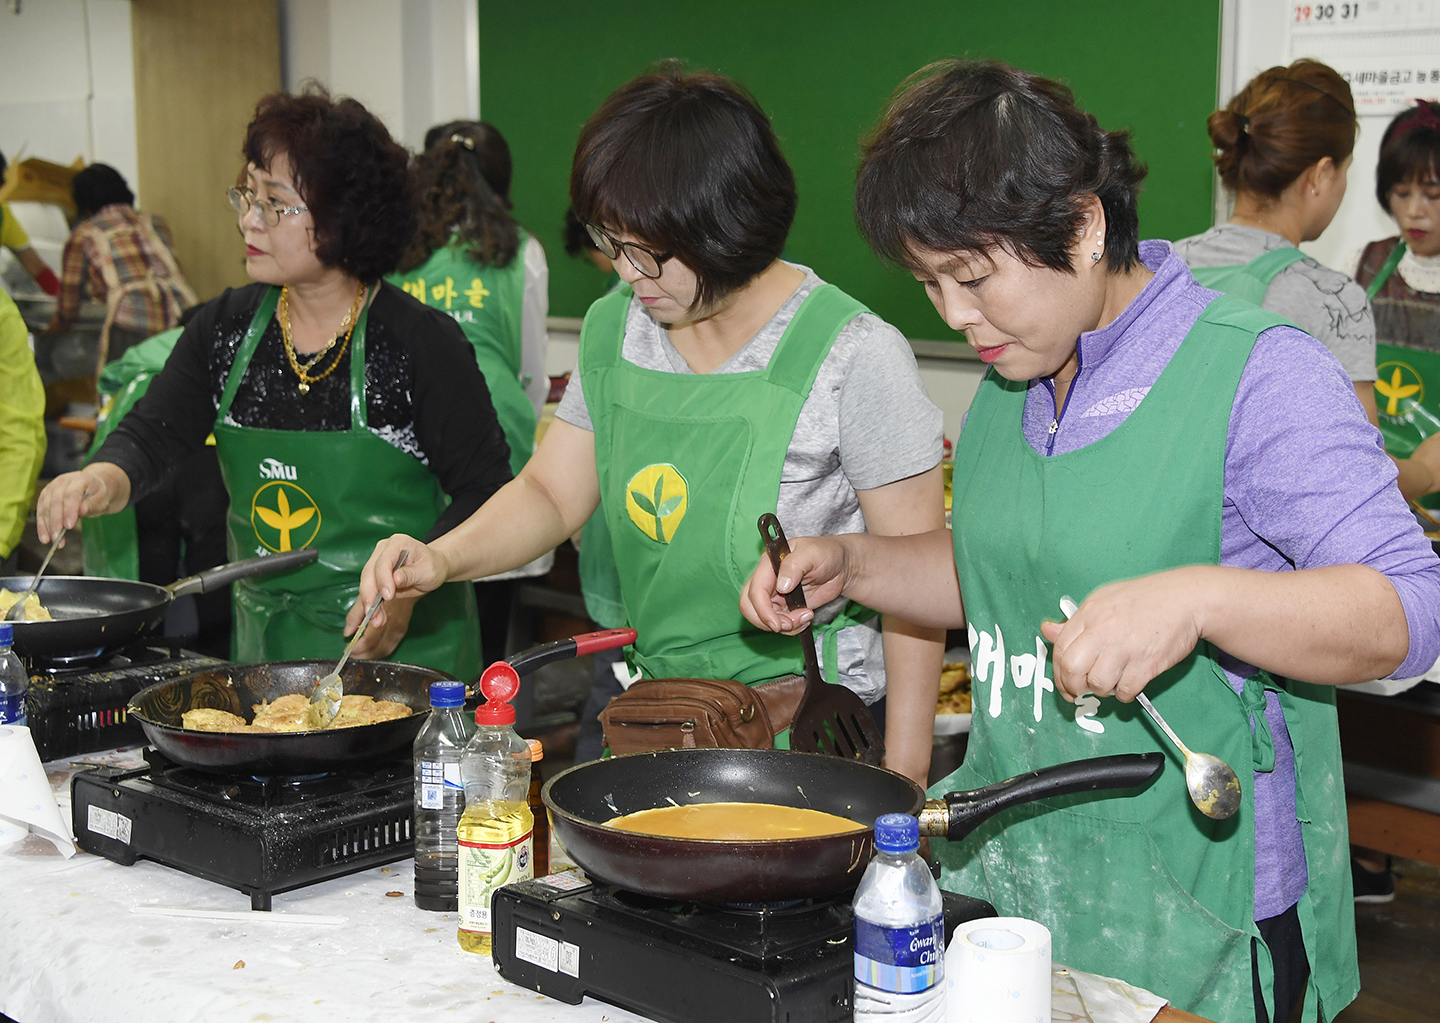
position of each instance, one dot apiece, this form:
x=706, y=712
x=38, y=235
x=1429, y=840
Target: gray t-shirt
x=1324, y=303
x=867, y=422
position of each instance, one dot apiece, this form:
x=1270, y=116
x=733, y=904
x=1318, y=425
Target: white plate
x=951, y=724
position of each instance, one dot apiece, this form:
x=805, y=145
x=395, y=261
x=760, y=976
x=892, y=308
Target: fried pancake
x=287, y=714
x=34, y=611
x=208, y=719
x=364, y=710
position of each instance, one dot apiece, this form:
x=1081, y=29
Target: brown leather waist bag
x=686, y=713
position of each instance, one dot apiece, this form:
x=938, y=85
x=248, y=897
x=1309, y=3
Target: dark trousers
x=1292, y=966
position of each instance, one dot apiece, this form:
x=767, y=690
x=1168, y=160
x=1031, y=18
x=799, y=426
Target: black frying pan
x=583, y=798
x=101, y=614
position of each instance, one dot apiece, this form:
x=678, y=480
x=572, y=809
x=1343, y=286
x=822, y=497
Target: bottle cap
x=897, y=833
x=7, y=633
x=537, y=751
x=447, y=694
x=499, y=683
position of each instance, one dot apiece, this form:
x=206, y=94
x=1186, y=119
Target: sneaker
x=1371, y=885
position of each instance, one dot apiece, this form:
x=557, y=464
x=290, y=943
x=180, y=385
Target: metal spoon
x=325, y=700
x=1214, y=788
x=17, y=610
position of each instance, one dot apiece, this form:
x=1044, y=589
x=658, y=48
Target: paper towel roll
x=997, y=970
x=26, y=802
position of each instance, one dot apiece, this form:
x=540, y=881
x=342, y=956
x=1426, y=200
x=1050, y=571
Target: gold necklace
x=302, y=369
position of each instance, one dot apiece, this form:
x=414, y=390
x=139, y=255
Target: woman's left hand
x=381, y=640
x=1125, y=634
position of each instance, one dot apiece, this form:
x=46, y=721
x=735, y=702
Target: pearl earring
x=1099, y=240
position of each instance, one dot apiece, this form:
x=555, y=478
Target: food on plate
x=209, y=719
x=734, y=822
x=34, y=610
x=954, y=689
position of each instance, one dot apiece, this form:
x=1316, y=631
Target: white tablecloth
x=79, y=943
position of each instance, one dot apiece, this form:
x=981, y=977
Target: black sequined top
x=424, y=395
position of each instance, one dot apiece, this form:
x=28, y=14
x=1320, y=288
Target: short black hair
x=576, y=239
x=973, y=155
x=98, y=186
x=688, y=162
x=1409, y=150
x=354, y=177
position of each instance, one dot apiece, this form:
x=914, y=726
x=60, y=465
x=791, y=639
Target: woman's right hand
x=424, y=572
x=819, y=564
x=100, y=488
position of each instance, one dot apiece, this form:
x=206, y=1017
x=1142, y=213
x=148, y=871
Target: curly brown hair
x=462, y=186
x=354, y=177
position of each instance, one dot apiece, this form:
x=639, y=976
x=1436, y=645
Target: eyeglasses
x=243, y=199
x=646, y=261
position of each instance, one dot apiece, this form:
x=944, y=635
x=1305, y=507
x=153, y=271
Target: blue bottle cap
x=447, y=694
x=7, y=633
x=897, y=833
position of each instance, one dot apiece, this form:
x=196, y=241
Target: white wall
x=414, y=63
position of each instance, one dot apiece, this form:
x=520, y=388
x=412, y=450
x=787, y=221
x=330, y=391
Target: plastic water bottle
x=496, y=832
x=14, y=679
x=899, y=931
x=440, y=797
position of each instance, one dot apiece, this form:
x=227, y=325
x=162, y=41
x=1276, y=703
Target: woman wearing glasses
x=719, y=383
x=342, y=409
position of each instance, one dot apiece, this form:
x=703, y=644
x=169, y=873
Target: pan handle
x=966, y=811
x=576, y=646
x=220, y=575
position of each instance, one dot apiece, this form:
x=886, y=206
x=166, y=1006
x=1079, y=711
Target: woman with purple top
x=1201, y=474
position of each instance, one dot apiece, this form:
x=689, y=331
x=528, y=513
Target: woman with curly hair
x=342, y=409
x=1197, y=473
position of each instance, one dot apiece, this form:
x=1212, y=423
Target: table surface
x=81, y=942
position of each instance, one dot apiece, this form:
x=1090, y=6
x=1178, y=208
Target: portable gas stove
x=682, y=962
x=260, y=835
x=77, y=704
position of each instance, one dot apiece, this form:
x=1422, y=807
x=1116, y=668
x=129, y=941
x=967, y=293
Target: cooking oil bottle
x=496, y=832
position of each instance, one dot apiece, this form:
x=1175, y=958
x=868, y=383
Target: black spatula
x=829, y=719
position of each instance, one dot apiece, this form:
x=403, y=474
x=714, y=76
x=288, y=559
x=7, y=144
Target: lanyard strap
x=1385, y=271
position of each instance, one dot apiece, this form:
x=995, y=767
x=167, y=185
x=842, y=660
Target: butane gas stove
x=77, y=704
x=260, y=835
x=681, y=962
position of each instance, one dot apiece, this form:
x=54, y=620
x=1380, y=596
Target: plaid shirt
x=133, y=254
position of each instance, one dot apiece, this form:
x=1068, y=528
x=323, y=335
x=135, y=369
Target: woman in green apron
x=1283, y=146
x=718, y=383
x=342, y=409
x=1136, y=444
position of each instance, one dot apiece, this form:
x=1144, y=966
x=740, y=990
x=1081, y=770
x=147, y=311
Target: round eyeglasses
x=243, y=199
x=645, y=261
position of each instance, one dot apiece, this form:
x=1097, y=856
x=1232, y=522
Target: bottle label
x=12, y=708
x=435, y=778
x=900, y=959
x=485, y=867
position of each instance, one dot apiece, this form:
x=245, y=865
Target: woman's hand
x=819, y=564
x=100, y=488
x=424, y=572
x=1427, y=455
x=380, y=642
x=1125, y=634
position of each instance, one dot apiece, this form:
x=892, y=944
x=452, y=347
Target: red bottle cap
x=499, y=684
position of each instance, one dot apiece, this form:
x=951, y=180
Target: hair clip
x=464, y=140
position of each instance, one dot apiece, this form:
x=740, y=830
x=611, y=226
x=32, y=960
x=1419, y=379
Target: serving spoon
x=325, y=700
x=1214, y=788
x=17, y=610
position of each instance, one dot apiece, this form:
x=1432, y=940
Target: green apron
x=486, y=301
x=111, y=543
x=340, y=492
x=1248, y=281
x=687, y=463
x=1139, y=885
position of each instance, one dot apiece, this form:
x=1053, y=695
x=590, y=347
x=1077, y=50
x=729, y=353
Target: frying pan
x=99, y=614
x=584, y=797
x=238, y=687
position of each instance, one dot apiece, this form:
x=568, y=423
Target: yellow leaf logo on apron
x=1396, y=383
x=283, y=513
x=656, y=498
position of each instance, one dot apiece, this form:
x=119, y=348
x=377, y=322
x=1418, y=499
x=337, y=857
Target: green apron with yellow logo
x=1135, y=885
x=487, y=302
x=687, y=464
x=340, y=492
x=111, y=546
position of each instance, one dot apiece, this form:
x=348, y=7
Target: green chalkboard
x=823, y=72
